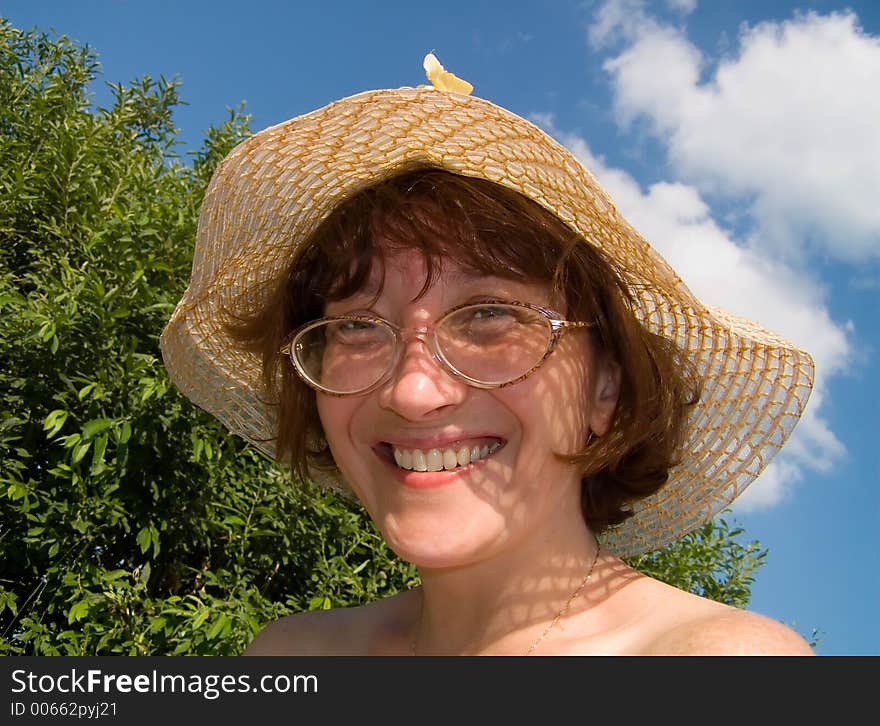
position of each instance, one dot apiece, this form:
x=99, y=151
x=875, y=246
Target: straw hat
x=274, y=189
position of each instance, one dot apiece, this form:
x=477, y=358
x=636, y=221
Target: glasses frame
x=558, y=326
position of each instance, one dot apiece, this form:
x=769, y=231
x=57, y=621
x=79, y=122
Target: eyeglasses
x=487, y=344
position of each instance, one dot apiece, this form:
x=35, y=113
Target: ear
x=606, y=390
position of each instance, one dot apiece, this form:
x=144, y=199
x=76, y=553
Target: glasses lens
x=494, y=343
x=346, y=355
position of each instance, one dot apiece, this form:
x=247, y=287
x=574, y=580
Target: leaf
x=154, y=535
x=47, y=331
x=70, y=440
x=114, y=575
x=157, y=623
x=149, y=385
x=143, y=539
x=200, y=618
x=320, y=602
x=54, y=421
x=79, y=451
x=86, y=390
x=8, y=601
x=217, y=626
x=125, y=433
x=10, y=299
x=78, y=611
x=98, y=454
x=16, y=490
x=95, y=426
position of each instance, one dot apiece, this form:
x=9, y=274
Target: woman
x=419, y=298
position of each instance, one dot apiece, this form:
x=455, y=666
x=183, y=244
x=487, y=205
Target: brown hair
x=487, y=229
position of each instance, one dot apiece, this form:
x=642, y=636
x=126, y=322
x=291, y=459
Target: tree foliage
x=710, y=561
x=130, y=521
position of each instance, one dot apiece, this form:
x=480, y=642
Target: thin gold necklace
x=553, y=622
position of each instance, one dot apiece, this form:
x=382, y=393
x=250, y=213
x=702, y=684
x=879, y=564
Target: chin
x=426, y=559
x=437, y=547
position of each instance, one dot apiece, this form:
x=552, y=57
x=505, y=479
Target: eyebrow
x=457, y=276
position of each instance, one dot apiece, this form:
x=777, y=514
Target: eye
x=490, y=312
x=482, y=324
x=353, y=331
x=352, y=325
x=498, y=314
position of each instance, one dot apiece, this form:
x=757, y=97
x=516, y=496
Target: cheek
x=325, y=412
x=335, y=415
x=338, y=418
x=562, y=396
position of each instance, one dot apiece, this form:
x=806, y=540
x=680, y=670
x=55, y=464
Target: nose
x=419, y=387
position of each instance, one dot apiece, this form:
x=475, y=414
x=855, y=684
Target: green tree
x=130, y=521
x=710, y=561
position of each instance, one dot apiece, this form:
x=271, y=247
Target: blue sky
x=741, y=138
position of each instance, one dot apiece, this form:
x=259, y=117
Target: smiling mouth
x=454, y=456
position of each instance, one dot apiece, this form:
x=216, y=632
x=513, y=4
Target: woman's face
x=516, y=490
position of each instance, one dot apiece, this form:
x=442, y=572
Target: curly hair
x=487, y=229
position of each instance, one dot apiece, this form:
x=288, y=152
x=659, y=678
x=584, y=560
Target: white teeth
x=438, y=460
x=435, y=460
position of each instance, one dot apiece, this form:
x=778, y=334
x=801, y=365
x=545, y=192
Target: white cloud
x=774, y=484
x=790, y=122
x=682, y=6
x=616, y=20
x=725, y=273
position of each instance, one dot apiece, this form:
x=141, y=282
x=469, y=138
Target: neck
x=504, y=605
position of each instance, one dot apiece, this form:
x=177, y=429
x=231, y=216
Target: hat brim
x=275, y=188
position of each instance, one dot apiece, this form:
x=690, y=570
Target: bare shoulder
x=645, y=616
x=730, y=631
x=372, y=628
x=307, y=633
